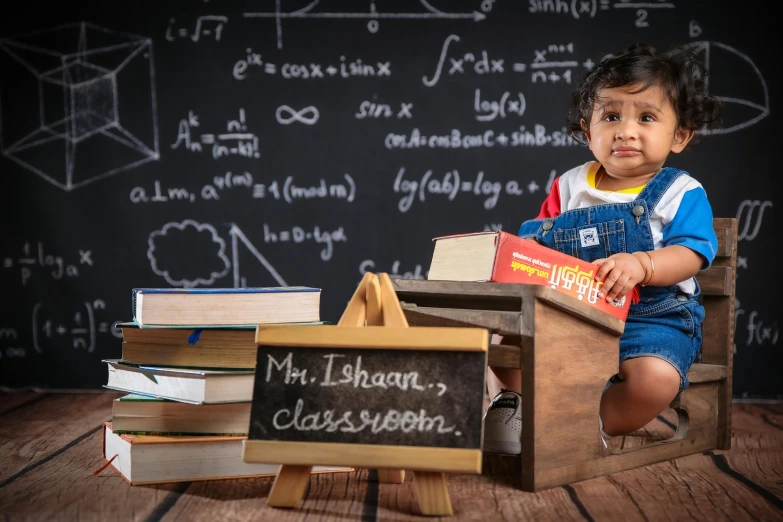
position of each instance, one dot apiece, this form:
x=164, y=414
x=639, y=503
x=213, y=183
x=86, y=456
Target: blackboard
x=306, y=142
x=392, y=397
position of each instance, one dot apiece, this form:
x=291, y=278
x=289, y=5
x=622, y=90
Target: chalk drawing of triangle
x=236, y=236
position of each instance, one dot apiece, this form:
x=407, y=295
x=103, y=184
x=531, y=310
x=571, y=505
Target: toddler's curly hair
x=678, y=71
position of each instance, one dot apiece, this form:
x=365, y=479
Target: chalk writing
x=351, y=374
x=207, y=25
x=287, y=190
x=50, y=328
x=556, y=63
x=542, y=63
x=456, y=139
x=344, y=68
x=749, y=218
x=236, y=141
x=589, y=8
x=376, y=111
x=758, y=330
x=374, y=421
x=52, y=265
x=480, y=64
x=340, y=370
x=451, y=185
x=161, y=195
x=9, y=335
x=368, y=265
x=300, y=235
x=542, y=69
x=489, y=110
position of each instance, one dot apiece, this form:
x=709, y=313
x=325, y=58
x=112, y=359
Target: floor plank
x=41, y=428
x=48, y=453
x=64, y=488
x=689, y=488
x=764, y=468
x=338, y=496
x=13, y=401
x=756, y=427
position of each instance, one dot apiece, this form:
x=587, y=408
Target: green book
x=145, y=415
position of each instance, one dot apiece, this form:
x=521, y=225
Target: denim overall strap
x=649, y=198
x=644, y=204
x=657, y=187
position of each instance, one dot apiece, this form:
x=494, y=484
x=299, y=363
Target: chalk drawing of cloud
x=188, y=254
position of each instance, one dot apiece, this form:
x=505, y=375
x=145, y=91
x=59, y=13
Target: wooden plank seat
x=567, y=350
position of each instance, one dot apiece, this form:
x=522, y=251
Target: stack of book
x=188, y=367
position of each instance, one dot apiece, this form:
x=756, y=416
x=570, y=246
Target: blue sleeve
x=692, y=226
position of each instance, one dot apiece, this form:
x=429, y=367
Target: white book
x=197, y=307
x=193, y=385
x=153, y=459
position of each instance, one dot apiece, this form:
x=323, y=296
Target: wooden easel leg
x=433, y=493
x=289, y=486
x=391, y=476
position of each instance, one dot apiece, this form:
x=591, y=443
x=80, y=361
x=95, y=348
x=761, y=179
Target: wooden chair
x=567, y=350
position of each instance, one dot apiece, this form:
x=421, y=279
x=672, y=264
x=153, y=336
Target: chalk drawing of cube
x=78, y=103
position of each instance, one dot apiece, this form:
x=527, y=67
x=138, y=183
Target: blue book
x=225, y=307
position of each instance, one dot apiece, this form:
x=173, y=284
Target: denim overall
x=665, y=323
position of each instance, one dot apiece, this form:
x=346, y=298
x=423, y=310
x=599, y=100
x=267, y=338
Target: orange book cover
x=519, y=260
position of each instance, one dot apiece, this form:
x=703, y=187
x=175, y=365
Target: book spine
x=133, y=307
x=500, y=241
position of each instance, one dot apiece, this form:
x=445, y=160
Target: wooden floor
x=51, y=443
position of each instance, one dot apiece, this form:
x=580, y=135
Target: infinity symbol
x=291, y=115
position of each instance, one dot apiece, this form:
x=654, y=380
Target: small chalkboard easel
x=374, y=321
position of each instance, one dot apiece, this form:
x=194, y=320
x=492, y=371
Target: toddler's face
x=631, y=134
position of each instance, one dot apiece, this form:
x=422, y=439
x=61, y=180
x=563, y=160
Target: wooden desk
x=51, y=443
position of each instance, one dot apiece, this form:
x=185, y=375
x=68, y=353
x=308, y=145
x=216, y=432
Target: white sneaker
x=604, y=437
x=503, y=424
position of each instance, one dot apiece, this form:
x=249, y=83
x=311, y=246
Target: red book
x=501, y=257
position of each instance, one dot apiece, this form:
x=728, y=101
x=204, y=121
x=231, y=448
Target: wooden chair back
x=718, y=286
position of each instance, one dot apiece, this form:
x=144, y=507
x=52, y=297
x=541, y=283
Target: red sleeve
x=551, y=206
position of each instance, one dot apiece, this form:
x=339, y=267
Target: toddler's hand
x=619, y=273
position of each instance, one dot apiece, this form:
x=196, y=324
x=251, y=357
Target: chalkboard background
x=432, y=398
x=250, y=144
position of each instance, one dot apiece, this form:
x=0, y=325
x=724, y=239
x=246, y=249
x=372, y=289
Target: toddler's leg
x=648, y=386
x=503, y=418
x=503, y=378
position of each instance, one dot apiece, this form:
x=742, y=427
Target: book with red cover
x=501, y=257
